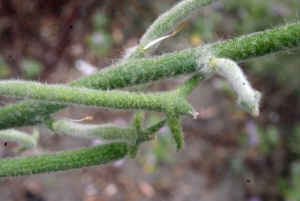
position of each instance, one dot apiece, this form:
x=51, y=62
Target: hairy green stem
x=133, y=134
x=88, y=97
x=133, y=72
x=107, y=132
x=59, y=161
x=259, y=44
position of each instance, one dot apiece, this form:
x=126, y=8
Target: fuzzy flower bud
x=248, y=97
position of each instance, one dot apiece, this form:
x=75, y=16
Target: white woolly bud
x=248, y=97
x=129, y=51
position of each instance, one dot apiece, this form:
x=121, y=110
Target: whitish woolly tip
x=248, y=97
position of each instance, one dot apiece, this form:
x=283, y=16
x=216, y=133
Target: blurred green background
x=228, y=155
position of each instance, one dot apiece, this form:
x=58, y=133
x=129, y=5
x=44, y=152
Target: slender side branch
x=133, y=72
x=106, y=132
x=133, y=134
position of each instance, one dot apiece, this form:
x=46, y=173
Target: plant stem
x=260, y=43
x=112, y=99
x=106, y=132
x=63, y=160
x=132, y=135
x=133, y=72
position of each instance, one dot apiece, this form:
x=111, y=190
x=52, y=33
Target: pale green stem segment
x=60, y=161
x=24, y=139
x=133, y=72
x=132, y=135
x=106, y=133
x=166, y=23
x=81, y=96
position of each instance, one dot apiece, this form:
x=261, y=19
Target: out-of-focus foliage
x=100, y=42
x=4, y=68
x=31, y=68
